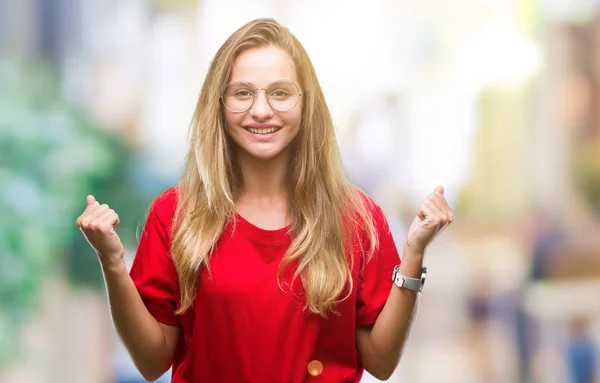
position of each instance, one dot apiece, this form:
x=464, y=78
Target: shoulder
x=165, y=205
x=372, y=208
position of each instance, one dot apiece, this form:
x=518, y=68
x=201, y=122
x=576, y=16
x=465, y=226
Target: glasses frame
x=255, y=91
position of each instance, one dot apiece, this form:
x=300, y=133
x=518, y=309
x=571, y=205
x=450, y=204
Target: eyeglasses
x=239, y=96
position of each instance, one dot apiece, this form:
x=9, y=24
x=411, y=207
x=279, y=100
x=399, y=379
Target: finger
x=438, y=218
x=425, y=210
x=92, y=215
x=438, y=196
x=435, y=200
x=98, y=212
x=435, y=214
x=91, y=204
x=438, y=208
x=111, y=218
x=447, y=209
x=436, y=192
x=442, y=205
x=104, y=220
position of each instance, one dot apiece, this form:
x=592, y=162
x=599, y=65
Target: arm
x=380, y=345
x=151, y=344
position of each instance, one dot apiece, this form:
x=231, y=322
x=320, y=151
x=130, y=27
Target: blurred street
x=496, y=100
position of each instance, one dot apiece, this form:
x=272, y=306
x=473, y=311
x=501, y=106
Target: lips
x=262, y=128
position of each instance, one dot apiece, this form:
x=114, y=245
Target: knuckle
x=95, y=226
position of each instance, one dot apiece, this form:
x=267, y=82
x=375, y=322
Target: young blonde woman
x=264, y=263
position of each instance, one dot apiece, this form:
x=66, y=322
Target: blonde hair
x=326, y=209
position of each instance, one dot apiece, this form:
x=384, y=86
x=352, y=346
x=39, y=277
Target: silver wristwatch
x=405, y=282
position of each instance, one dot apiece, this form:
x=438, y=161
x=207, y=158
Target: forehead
x=262, y=66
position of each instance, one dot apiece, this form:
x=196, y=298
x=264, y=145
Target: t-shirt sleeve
x=375, y=278
x=153, y=271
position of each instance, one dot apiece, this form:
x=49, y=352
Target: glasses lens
x=238, y=96
x=283, y=95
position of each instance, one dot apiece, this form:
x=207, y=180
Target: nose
x=261, y=110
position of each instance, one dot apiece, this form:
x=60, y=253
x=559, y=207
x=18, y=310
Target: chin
x=279, y=147
x=264, y=155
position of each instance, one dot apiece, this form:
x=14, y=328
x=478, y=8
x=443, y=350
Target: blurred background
x=497, y=100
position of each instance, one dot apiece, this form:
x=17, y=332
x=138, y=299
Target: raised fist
x=98, y=223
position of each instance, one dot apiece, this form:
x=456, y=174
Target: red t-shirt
x=243, y=327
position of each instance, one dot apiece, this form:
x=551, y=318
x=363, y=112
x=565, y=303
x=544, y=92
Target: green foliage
x=51, y=156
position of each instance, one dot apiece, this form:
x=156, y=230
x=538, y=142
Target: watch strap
x=404, y=282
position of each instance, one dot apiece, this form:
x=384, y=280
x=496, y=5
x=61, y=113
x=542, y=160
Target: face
x=263, y=132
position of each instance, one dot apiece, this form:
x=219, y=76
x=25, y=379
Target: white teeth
x=262, y=131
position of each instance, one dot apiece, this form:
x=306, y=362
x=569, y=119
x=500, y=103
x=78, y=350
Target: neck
x=263, y=180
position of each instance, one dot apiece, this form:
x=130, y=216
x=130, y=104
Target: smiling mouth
x=262, y=131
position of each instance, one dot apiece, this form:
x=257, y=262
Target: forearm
x=393, y=325
x=139, y=332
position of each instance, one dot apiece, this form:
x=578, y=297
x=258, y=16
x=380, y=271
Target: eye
x=279, y=93
x=243, y=93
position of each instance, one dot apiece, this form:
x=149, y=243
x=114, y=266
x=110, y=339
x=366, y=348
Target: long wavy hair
x=327, y=211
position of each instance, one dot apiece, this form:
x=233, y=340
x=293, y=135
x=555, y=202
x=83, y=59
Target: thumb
x=90, y=200
x=439, y=190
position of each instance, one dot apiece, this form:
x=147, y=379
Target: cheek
x=232, y=120
x=294, y=120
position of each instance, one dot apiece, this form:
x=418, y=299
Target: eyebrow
x=272, y=82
